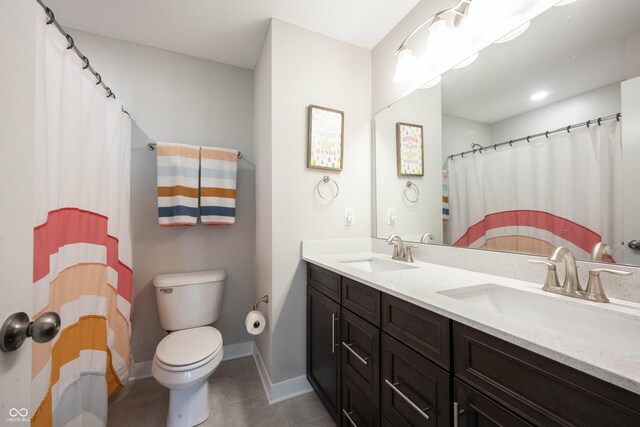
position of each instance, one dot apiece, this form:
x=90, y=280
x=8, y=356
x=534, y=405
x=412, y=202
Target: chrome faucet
x=600, y=249
x=571, y=286
x=571, y=281
x=401, y=252
x=426, y=237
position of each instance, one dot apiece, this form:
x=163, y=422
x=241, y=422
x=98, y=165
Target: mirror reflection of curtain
x=560, y=191
x=82, y=239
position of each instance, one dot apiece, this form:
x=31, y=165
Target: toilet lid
x=189, y=346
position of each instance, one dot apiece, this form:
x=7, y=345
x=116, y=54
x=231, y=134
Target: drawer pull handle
x=456, y=414
x=394, y=387
x=348, y=415
x=333, y=333
x=364, y=360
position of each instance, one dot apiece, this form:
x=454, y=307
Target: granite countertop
x=420, y=286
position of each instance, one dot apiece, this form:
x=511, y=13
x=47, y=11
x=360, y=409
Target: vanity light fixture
x=539, y=96
x=470, y=60
x=407, y=67
x=514, y=34
x=432, y=83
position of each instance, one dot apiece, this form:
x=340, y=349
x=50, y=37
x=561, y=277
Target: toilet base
x=190, y=407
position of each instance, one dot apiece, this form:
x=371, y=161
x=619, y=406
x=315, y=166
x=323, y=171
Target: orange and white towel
x=218, y=173
x=178, y=170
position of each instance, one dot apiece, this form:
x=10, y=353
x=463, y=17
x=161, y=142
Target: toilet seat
x=188, y=349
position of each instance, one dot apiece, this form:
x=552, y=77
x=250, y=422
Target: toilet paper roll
x=255, y=322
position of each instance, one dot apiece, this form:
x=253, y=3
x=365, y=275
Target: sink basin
x=619, y=331
x=376, y=265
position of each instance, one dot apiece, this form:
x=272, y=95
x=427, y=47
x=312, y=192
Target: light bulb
x=470, y=60
x=539, y=95
x=431, y=83
x=515, y=33
x=407, y=67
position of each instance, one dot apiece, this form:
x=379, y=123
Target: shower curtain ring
x=109, y=92
x=546, y=134
x=529, y=139
x=99, y=77
x=50, y=16
x=618, y=116
x=70, y=42
x=568, y=129
x=462, y=155
x=599, y=121
x=85, y=61
x=495, y=147
x=511, y=143
x=588, y=123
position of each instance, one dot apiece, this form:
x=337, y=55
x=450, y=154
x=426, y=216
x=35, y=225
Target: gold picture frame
x=409, y=149
x=325, y=140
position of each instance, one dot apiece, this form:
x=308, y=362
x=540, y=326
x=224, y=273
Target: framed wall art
x=409, y=149
x=325, y=144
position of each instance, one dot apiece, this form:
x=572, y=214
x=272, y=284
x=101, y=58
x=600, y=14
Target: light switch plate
x=349, y=216
x=391, y=216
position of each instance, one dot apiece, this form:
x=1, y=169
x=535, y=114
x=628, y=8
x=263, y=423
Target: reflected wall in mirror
x=575, y=187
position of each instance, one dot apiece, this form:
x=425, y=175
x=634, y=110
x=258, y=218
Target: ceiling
x=228, y=31
x=566, y=51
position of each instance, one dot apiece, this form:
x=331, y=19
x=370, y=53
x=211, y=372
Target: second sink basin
x=376, y=265
x=619, y=331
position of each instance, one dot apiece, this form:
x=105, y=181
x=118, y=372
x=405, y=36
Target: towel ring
x=326, y=180
x=415, y=188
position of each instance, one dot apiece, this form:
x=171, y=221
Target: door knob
x=635, y=245
x=17, y=328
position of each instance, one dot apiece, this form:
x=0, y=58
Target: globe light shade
x=407, y=67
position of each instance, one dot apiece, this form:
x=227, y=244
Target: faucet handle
x=409, y=254
x=594, y=291
x=552, y=277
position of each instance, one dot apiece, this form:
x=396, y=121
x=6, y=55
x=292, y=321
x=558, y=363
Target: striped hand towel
x=178, y=167
x=218, y=170
x=445, y=195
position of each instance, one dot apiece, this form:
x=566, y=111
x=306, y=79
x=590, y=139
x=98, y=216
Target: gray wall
x=179, y=98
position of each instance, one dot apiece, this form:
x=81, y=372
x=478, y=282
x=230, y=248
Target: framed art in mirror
x=409, y=149
x=325, y=143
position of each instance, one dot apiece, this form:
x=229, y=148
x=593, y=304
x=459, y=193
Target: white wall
x=17, y=136
x=306, y=68
x=458, y=134
x=179, y=98
x=591, y=105
x=413, y=219
x=263, y=155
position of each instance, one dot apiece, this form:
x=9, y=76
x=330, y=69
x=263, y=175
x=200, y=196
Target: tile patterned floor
x=237, y=400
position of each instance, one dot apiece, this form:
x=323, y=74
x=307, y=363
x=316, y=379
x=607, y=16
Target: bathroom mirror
x=574, y=187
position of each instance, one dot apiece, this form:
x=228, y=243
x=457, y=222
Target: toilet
x=184, y=359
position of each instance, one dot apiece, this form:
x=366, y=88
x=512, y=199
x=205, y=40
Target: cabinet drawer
x=474, y=409
x=361, y=354
x=357, y=410
x=415, y=392
x=540, y=390
x=420, y=329
x=362, y=300
x=325, y=281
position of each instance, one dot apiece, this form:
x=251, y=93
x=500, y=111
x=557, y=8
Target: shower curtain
x=82, y=242
x=560, y=191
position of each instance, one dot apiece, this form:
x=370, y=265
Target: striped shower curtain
x=82, y=243
x=561, y=191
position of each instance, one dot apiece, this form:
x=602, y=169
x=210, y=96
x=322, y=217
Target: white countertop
x=420, y=286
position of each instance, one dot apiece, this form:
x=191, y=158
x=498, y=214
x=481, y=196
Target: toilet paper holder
x=264, y=299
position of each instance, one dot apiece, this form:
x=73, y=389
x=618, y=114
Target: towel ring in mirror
x=411, y=185
x=327, y=180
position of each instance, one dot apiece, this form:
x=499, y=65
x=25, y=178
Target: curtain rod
x=152, y=146
x=546, y=134
x=51, y=19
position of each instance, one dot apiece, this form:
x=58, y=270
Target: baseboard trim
x=283, y=390
x=233, y=351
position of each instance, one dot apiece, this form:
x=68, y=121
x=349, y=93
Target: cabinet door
x=323, y=351
x=415, y=392
x=474, y=410
x=361, y=354
x=357, y=410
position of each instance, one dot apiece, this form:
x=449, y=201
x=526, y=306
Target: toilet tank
x=189, y=300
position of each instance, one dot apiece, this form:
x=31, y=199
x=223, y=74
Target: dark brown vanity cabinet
x=375, y=359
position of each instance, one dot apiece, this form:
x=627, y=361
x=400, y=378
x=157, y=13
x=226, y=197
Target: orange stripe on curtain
x=72, y=283
x=89, y=333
